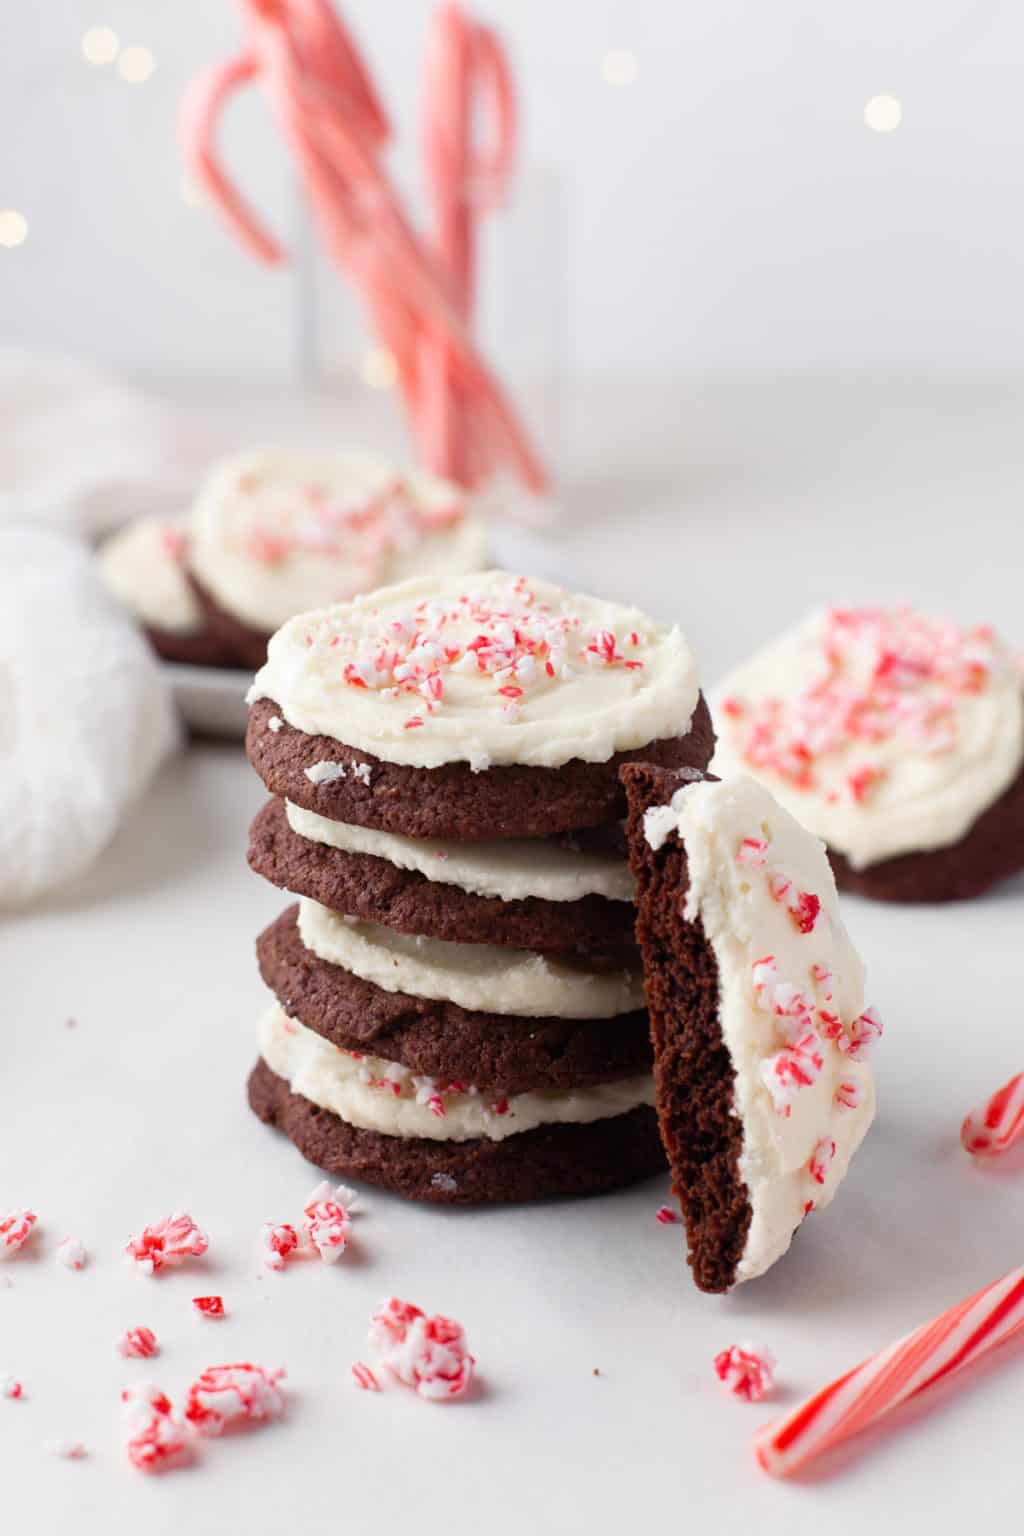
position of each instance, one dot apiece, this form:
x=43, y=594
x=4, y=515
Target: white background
x=801, y=492
x=728, y=207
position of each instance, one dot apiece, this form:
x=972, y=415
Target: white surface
x=729, y=205
x=718, y=506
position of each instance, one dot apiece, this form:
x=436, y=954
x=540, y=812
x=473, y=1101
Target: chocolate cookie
x=991, y=851
x=362, y=885
x=453, y=801
x=193, y=648
x=693, y=1075
x=247, y=647
x=562, y=1160
x=442, y=1040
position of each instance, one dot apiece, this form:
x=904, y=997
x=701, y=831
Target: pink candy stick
x=998, y=1123
x=910, y=1366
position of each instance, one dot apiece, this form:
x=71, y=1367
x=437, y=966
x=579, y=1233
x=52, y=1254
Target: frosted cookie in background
x=143, y=566
x=273, y=535
x=756, y=1000
x=897, y=739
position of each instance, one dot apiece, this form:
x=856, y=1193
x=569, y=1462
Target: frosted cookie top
x=276, y=534
x=882, y=731
x=143, y=565
x=490, y=669
x=791, y=1000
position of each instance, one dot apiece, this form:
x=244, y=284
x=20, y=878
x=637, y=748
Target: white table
x=787, y=493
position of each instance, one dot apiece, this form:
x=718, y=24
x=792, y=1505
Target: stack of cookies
x=458, y=1007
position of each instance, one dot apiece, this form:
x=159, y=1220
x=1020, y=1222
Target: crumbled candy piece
x=362, y=772
x=11, y=1387
x=155, y=1438
x=168, y=1242
x=209, y=1306
x=72, y=1254
x=364, y=1377
x=821, y=1159
x=427, y=1353
x=275, y=724
x=850, y=1093
x=325, y=772
x=15, y=1230
x=327, y=1220
x=278, y=1243
x=444, y=1182
x=746, y=1371
x=998, y=1123
x=67, y=1450
x=796, y=1066
x=138, y=1344
x=228, y=1396
x=752, y=852
x=666, y=1215
x=857, y=1039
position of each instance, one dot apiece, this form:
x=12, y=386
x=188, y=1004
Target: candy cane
x=934, y=1351
x=332, y=121
x=998, y=1123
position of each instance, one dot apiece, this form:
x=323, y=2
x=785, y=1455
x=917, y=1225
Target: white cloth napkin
x=86, y=718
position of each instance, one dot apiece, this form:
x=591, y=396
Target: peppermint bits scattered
x=822, y=1159
x=138, y=1344
x=72, y=1254
x=364, y=1378
x=746, y=1371
x=997, y=1124
x=278, y=1243
x=15, y=1231
x=327, y=1220
x=209, y=1306
x=428, y=1354
x=155, y=1438
x=11, y=1388
x=665, y=1216
x=228, y=1397
x=169, y=1242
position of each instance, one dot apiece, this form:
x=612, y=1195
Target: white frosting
x=143, y=566
x=482, y=977
x=404, y=1105
x=487, y=670
x=912, y=727
x=276, y=534
x=512, y=870
x=730, y=891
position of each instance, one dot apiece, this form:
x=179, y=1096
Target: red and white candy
x=155, y=1438
x=11, y=1387
x=168, y=1242
x=278, y=1242
x=209, y=1306
x=327, y=1220
x=15, y=1231
x=227, y=1397
x=746, y=1371
x=138, y=1344
x=998, y=1123
x=426, y=1353
x=72, y=1253
x=912, y=1365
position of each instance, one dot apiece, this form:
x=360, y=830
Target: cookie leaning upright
x=897, y=738
x=756, y=1000
x=459, y=1007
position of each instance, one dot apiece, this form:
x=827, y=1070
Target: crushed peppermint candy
x=325, y=772
x=67, y=1450
x=327, y=1220
x=168, y=1242
x=226, y=1397
x=747, y=1371
x=278, y=1243
x=426, y=1353
x=822, y=1159
x=665, y=1215
x=72, y=1254
x=209, y=1306
x=275, y=724
x=752, y=852
x=850, y=1093
x=138, y=1344
x=155, y=1438
x=364, y=1377
x=880, y=676
x=15, y=1231
x=796, y=1066
x=362, y=772
x=12, y=1388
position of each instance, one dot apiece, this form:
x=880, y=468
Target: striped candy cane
x=934, y=1351
x=998, y=1123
